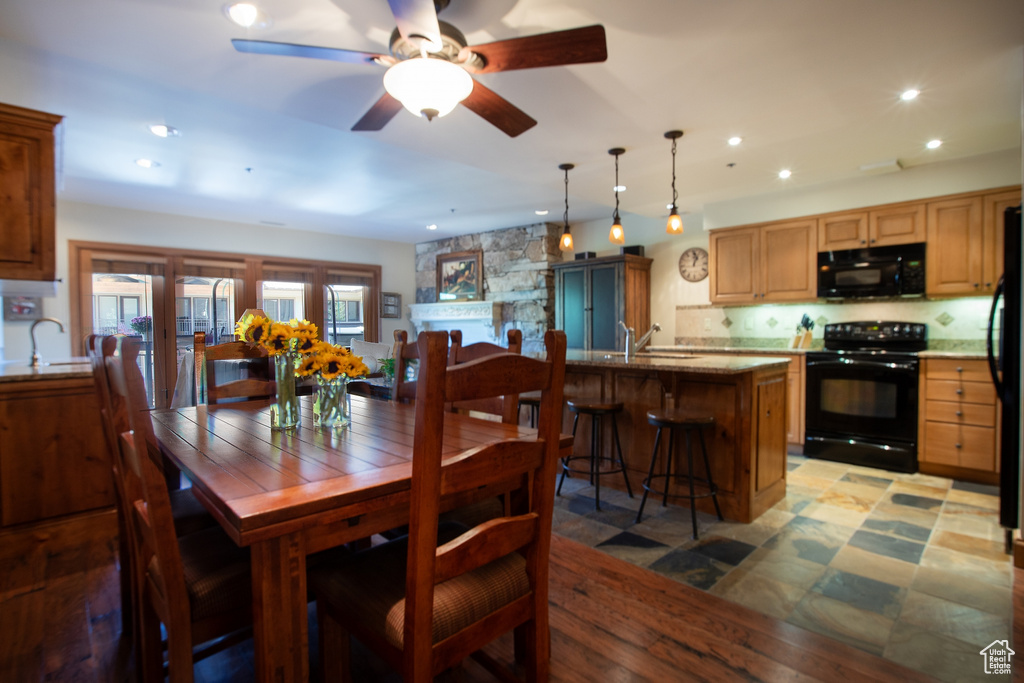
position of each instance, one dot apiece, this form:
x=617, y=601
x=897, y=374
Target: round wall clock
x=693, y=264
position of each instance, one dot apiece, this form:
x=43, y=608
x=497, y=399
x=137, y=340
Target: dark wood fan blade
x=573, y=46
x=498, y=111
x=380, y=113
x=416, y=18
x=265, y=47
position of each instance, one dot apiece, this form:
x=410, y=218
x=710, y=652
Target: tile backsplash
x=953, y=324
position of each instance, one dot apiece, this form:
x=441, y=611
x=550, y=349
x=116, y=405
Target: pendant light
x=675, y=223
x=616, y=235
x=565, y=243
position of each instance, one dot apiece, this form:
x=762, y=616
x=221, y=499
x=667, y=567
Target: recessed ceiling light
x=934, y=144
x=541, y=212
x=785, y=173
x=735, y=140
x=147, y=163
x=246, y=15
x=619, y=188
x=162, y=130
x=432, y=226
x=908, y=95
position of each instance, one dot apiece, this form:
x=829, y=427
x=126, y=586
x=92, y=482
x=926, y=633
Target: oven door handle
x=847, y=363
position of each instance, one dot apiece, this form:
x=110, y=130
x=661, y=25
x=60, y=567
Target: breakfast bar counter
x=746, y=396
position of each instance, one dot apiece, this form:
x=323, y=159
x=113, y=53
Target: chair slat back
x=504, y=406
x=405, y=388
x=159, y=561
x=526, y=530
x=207, y=358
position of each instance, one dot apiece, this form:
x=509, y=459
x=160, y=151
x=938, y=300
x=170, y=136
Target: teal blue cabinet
x=593, y=295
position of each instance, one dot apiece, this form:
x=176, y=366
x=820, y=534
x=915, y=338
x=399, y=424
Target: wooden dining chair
x=249, y=358
x=405, y=353
x=507, y=408
x=198, y=585
x=188, y=513
x=427, y=606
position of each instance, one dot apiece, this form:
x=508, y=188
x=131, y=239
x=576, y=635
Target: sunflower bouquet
x=299, y=352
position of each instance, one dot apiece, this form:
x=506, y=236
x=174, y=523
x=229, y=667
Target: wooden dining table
x=289, y=494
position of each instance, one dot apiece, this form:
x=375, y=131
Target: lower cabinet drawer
x=968, y=392
x=960, y=445
x=960, y=413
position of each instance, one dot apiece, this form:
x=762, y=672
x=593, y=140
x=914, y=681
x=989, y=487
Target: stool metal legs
x=596, y=448
x=713, y=490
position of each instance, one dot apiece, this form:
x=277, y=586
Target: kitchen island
x=53, y=455
x=746, y=396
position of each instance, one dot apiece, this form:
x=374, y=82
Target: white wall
x=88, y=222
x=669, y=291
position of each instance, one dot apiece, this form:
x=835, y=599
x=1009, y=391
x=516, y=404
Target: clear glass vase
x=284, y=414
x=330, y=407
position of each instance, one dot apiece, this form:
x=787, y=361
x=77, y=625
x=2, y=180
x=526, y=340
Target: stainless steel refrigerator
x=1004, y=362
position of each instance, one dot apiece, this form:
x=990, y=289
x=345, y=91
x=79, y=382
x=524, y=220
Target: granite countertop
x=954, y=355
x=755, y=351
x=19, y=371
x=710, y=364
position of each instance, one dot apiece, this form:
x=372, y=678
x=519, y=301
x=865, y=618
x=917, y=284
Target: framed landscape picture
x=460, y=276
x=390, y=305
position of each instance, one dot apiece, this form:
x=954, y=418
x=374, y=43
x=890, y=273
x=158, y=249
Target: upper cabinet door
x=992, y=236
x=954, y=264
x=897, y=225
x=27, y=194
x=789, y=259
x=735, y=266
x=843, y=231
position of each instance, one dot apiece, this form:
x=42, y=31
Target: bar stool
x=531, y=400
x=674, y=420
x=597, y=410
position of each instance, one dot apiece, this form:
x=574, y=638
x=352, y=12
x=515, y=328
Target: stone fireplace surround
x=518, y=286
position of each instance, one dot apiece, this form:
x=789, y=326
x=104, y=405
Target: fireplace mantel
x=478, y=320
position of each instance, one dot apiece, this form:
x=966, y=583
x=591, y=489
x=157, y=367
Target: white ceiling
x=811, y=85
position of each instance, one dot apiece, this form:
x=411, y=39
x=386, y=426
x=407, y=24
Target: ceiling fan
x=422, y=42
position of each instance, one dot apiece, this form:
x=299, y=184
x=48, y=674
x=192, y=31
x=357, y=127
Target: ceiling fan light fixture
x=675, y=223
x=616, y=235
x=565, y=242
x=246, y=15
x=428, y=87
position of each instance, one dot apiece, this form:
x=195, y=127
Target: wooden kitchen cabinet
x=880, y=227
x=53, y=456
x=764, y=263
x=992, y=223
x=27, y=194
x=958, y=421
x=593, y=295
x=955, y=247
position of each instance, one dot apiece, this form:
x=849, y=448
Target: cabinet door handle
x=873, y=241
x=976, y=285
x=959, y=446
x=959, y=369
x=959, y=392
x=959, y=413
x=863, y=241
x=987, y=285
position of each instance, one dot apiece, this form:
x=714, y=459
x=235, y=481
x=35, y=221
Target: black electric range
x=862, y=394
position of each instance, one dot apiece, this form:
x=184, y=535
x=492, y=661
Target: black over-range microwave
x=878, y=271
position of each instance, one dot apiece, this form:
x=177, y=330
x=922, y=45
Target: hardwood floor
x=611, y=621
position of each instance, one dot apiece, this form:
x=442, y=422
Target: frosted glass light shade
x=565, y=244
x=428, y=87
x=616, y=235
x=675, y=223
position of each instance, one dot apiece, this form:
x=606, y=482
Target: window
x=111, y=284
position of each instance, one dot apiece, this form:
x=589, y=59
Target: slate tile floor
x=908, y=567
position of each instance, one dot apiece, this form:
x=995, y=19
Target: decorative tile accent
x=723, y=549
x=875, y=596
x=726, y=322
x=821, y=321
x=889, y=546
x=772, y=322
x=945, y=319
